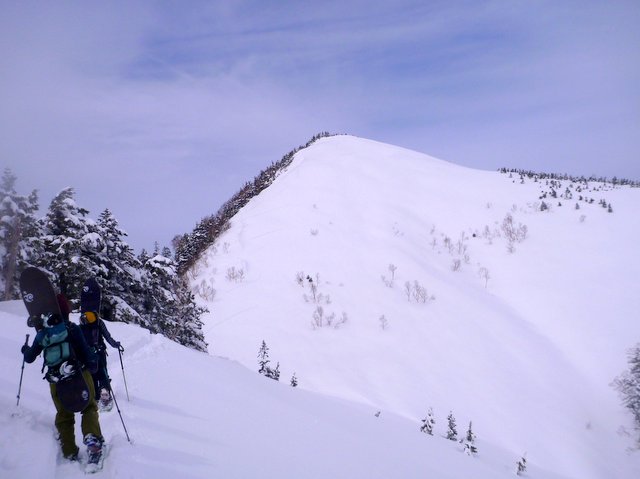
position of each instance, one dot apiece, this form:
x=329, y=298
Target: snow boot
x=95, y=455
x=106, y=400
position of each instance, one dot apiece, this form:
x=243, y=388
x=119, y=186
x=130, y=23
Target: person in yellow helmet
x=95, y=332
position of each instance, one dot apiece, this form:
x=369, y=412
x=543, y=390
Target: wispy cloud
x=195, y=98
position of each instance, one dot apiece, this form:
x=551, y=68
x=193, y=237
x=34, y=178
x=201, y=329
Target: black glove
x=24, y=348
x=119, y=346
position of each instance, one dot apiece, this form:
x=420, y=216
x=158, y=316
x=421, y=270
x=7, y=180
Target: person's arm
x=30, y=353
x=105, y=334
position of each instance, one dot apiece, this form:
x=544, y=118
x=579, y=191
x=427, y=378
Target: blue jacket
x=82, y=351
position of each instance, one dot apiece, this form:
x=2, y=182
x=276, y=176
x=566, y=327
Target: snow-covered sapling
x=521, y=465
x=263, y=358
x=469, y=442
x=428, y=423
x=452, y=432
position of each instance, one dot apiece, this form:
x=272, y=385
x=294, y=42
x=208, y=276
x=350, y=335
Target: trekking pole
x=120, y=414
x=123, y=376
x=26, y=343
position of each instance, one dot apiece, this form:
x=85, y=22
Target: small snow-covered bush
x=234, y=274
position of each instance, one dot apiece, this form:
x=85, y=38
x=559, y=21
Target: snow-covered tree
x=263, y=358
x=71, y=243
x=428, y=423
x=121, y=269
x=294, y=381
x=628, y=386
x=263, y=361
x=452, y=432
x=521, y=465
x=469, y=441
x=19, y=234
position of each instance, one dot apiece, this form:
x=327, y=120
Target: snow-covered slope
x=191, y=415
x=523, y=339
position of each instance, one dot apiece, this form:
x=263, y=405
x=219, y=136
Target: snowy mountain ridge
x=387, y=277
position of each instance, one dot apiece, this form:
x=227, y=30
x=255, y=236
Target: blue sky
x=162, y=110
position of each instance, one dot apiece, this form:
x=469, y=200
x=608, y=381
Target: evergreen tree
x=121, y=280
x=294, y=381
x=628, y=386
x=428, y=423
x=469, y=441
x=20, y=243
x=521, y=465
x=71, y=243
x=452, y=433
x=263, y=358
x=274, y=373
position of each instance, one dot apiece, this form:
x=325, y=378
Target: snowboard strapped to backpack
x=54, y=335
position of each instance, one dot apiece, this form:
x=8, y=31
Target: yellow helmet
x=90, y=317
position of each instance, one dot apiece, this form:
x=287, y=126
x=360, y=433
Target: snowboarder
x=95, y=332
x=69, y=361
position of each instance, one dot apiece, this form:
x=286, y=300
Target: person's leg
x=65, y=422
x=90, y=418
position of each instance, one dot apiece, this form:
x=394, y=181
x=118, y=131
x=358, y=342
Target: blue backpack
x=58, y=353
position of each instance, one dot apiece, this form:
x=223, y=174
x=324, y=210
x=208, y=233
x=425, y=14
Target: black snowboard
x=90, y=296
x=73, y=393
x=37, y=293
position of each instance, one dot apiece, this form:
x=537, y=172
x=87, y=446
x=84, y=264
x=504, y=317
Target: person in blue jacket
x=65, y=351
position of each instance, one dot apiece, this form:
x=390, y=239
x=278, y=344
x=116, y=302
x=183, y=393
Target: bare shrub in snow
x=389, y=282
x=417, y=292
x=456, y=264
x=582, y=218
x=315, y=295
x=236, y=275
x=513, y=233
x=484, y=274
x=314, y=232
x=194, y=271
x=205, y=290
x=448, y=243
x=320, y=319
x=225, y=247
x=407, y=290
x=300, y=278
x=384, y=324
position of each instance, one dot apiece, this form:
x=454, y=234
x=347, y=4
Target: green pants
x=65, y=420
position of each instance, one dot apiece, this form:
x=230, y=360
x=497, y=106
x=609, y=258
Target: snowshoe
x=95, y=453
x=105, y=402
